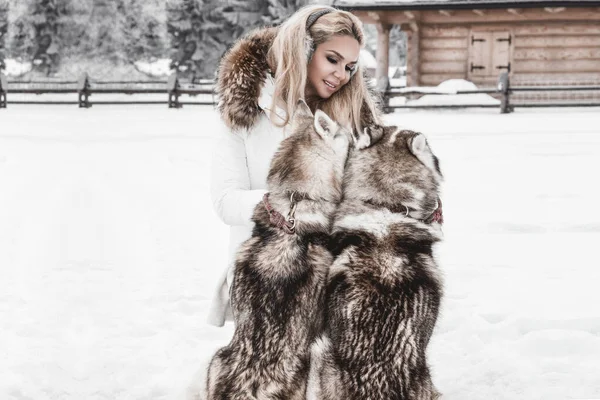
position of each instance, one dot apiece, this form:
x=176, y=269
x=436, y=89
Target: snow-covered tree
x=201, y=30
x=154, y=29
x=3, y=30
x=144, y=31
x=34, y=32
x=397, y=43
x=279, y=10
x=75, y=32
x=105, y=35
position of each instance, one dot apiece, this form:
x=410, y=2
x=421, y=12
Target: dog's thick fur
x=278, y=288
x=384, y=288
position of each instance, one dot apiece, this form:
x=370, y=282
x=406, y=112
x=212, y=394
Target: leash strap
x=288, y=225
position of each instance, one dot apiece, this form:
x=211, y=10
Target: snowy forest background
x=106, y=38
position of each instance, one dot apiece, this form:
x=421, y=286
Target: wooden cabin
x=539, y=42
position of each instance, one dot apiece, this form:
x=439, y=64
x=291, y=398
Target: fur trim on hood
x=241, y=76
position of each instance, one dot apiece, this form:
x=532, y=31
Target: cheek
x=312, y=71
x=320, y=68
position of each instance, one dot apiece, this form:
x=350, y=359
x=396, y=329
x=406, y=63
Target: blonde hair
x=289, y=57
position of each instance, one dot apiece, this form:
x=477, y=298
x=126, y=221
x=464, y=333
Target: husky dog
x=280, y=273
x=384, y=288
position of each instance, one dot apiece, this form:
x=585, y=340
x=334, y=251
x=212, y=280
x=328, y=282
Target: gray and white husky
x=278, y=288
x=384, y=288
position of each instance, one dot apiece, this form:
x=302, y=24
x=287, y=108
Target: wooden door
x=489, y=53
x=501, y=44
x=480, y=61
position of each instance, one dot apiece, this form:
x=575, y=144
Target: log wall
x=547, y=46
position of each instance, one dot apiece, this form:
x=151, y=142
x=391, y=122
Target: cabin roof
x=384, y=5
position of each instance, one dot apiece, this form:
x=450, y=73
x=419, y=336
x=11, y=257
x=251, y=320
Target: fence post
x=83, y=91
x=504, y=88
x=173, y=89
x=383, y=87
x=3, y=90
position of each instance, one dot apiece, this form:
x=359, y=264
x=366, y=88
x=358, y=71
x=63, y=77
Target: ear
x=376, y=133
x=418, y=144
x=362, y=140
x=324, y=125
x=302, y=109
x=369, y=136
x=419, y=147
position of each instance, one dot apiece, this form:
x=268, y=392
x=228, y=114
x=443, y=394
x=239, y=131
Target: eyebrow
x=342, y=57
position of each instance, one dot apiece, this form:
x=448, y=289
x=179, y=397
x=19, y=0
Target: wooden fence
x=84, y=88
x=503, y=91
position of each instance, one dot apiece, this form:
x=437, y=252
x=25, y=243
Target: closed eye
x=334, y=61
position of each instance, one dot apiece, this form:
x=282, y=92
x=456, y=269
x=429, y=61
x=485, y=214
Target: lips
x=330, y=85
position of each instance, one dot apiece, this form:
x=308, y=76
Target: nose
x=339, y=72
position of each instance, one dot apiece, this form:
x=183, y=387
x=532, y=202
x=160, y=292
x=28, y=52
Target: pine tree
x=105, y=32
x=33, y=33
x=397, y=46
x=222, y=23
x=19, y=41
x=201, y=31
x=132, y=15
x=3, y=31
x=74, y=28
x=280, y=10
x=179, y=28
x=143, y=30
x=154, y=30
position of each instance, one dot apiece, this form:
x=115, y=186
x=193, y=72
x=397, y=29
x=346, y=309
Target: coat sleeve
x=232, y=197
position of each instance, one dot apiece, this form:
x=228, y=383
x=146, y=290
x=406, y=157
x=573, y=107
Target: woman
x=311, y=56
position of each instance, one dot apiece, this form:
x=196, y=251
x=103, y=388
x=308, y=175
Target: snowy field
x=110, y=250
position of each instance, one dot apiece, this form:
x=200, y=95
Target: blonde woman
x=312, y=56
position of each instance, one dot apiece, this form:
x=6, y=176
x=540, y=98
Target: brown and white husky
x=384, y=287
x=277, y=294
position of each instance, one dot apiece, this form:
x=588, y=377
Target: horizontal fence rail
x=85, y=87
x=503, y=90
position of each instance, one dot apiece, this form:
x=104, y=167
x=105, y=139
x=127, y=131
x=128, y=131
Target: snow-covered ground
x=109, y=252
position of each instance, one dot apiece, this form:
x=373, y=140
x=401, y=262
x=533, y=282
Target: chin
x=325, y=94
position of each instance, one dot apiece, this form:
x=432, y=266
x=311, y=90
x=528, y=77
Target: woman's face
x=331, y=64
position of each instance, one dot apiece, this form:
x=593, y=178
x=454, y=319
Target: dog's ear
x=419, y=147
x=324, y=125
x=368, y=137
x=302, y=109
x=376, y=133
x=362, y=140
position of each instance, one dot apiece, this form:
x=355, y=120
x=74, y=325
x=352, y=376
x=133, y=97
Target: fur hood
x=241, y=78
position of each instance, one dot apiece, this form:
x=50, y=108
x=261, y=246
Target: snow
x=367, y=60
x=449, y=96
x=450, y=86
x=398, y=82
x=157, y=68
x=16, y=68
x=110, y=250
